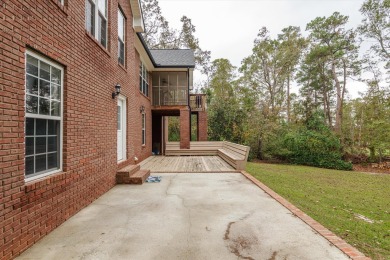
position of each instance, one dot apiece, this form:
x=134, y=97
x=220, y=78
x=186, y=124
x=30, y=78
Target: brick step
x=131, y=169
x=139, y=177
x=123, y=175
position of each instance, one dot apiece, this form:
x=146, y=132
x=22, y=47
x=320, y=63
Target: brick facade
x=30, y=210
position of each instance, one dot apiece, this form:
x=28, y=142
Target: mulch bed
x=368, y=168
x=356, y=167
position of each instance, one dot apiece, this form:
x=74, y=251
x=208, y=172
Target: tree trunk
x=339, y=101
x=260, y=149
x=288, y=99
x=372, y=153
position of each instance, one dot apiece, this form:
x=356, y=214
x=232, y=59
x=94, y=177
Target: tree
x=292, y=44
x=159, y=35
x=337, y=45
x=265, y=71
x=225, y=115
x=376, y=25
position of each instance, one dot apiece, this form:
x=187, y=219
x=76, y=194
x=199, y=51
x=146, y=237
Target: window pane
x=52, y=144
x=102, y=7
x=44, y=88
x=44, y=70
x=90, y=17
x=40, y=163
x=53, y=127
x=40, y=145
x=121, y=52
x=121, y=25
x=29, y=126
x=55, y=75
x=31, y=85
x=44, y=106
x=55, y=108
x=32, y=65
x=55, y=92
x=52, y=160
x=182, y=79
x=29, y=165
x=31, y=104
x=102, y=31
x=155, y=80
x=40, y=127
x=29, y=145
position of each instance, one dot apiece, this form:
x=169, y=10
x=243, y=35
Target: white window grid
x=144, y=79
x=47, y=117
x=121, y=37
x=98, y=16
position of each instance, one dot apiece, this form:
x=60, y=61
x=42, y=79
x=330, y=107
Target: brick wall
x=30, y=210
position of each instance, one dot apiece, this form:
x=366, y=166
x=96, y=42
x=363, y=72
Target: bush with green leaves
x=315, y=145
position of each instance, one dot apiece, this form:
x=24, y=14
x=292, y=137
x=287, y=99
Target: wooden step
x=123, y=175
x=139, y=177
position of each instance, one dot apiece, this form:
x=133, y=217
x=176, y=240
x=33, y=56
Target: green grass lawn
x=333, y=198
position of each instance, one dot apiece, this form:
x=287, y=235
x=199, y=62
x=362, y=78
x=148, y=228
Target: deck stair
x=132, y=174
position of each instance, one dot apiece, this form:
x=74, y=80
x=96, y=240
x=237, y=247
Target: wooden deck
x=195, y=164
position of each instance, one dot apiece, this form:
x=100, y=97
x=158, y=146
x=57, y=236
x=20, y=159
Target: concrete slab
x=186, y=216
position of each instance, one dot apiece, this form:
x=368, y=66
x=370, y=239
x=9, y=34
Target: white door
x=121, y=129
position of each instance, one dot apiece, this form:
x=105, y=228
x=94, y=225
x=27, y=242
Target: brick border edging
x=346, y=248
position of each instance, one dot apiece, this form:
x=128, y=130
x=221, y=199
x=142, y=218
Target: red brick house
x=81, y=96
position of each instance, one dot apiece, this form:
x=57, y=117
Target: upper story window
x=121, y=37
x=96, y=19
x=143, y=80
x=44, y=84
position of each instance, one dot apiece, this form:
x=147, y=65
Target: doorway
x=121, y=129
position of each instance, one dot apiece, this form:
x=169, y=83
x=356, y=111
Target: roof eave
x=156, y=65
x=138, y=20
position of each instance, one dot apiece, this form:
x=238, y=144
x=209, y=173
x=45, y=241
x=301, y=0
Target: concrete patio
x=186, y=216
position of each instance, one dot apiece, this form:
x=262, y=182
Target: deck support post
x=185, y=133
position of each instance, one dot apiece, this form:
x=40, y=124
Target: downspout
x=188, y=100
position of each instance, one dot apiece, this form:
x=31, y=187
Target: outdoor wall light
x=141, y=109
x=117, y=91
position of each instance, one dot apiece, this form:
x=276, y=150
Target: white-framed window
x=43, y=123
x=143, y=79
x=96, y=19
x=121, y=37
x=143, y=128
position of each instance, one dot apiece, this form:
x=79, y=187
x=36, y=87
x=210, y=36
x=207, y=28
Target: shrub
x=315, y=145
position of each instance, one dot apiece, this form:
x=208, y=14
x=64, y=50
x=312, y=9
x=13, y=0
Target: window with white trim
x=121, y=37
x=143, y=128
x=143, y=80
x=43, y=104
x=96, y=19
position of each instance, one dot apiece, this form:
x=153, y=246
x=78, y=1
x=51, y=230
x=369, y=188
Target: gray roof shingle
x=174, y=58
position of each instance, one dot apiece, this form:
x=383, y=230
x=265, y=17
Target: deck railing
x=198, y=102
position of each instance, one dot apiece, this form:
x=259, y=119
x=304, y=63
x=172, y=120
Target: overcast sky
x=228, y=28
